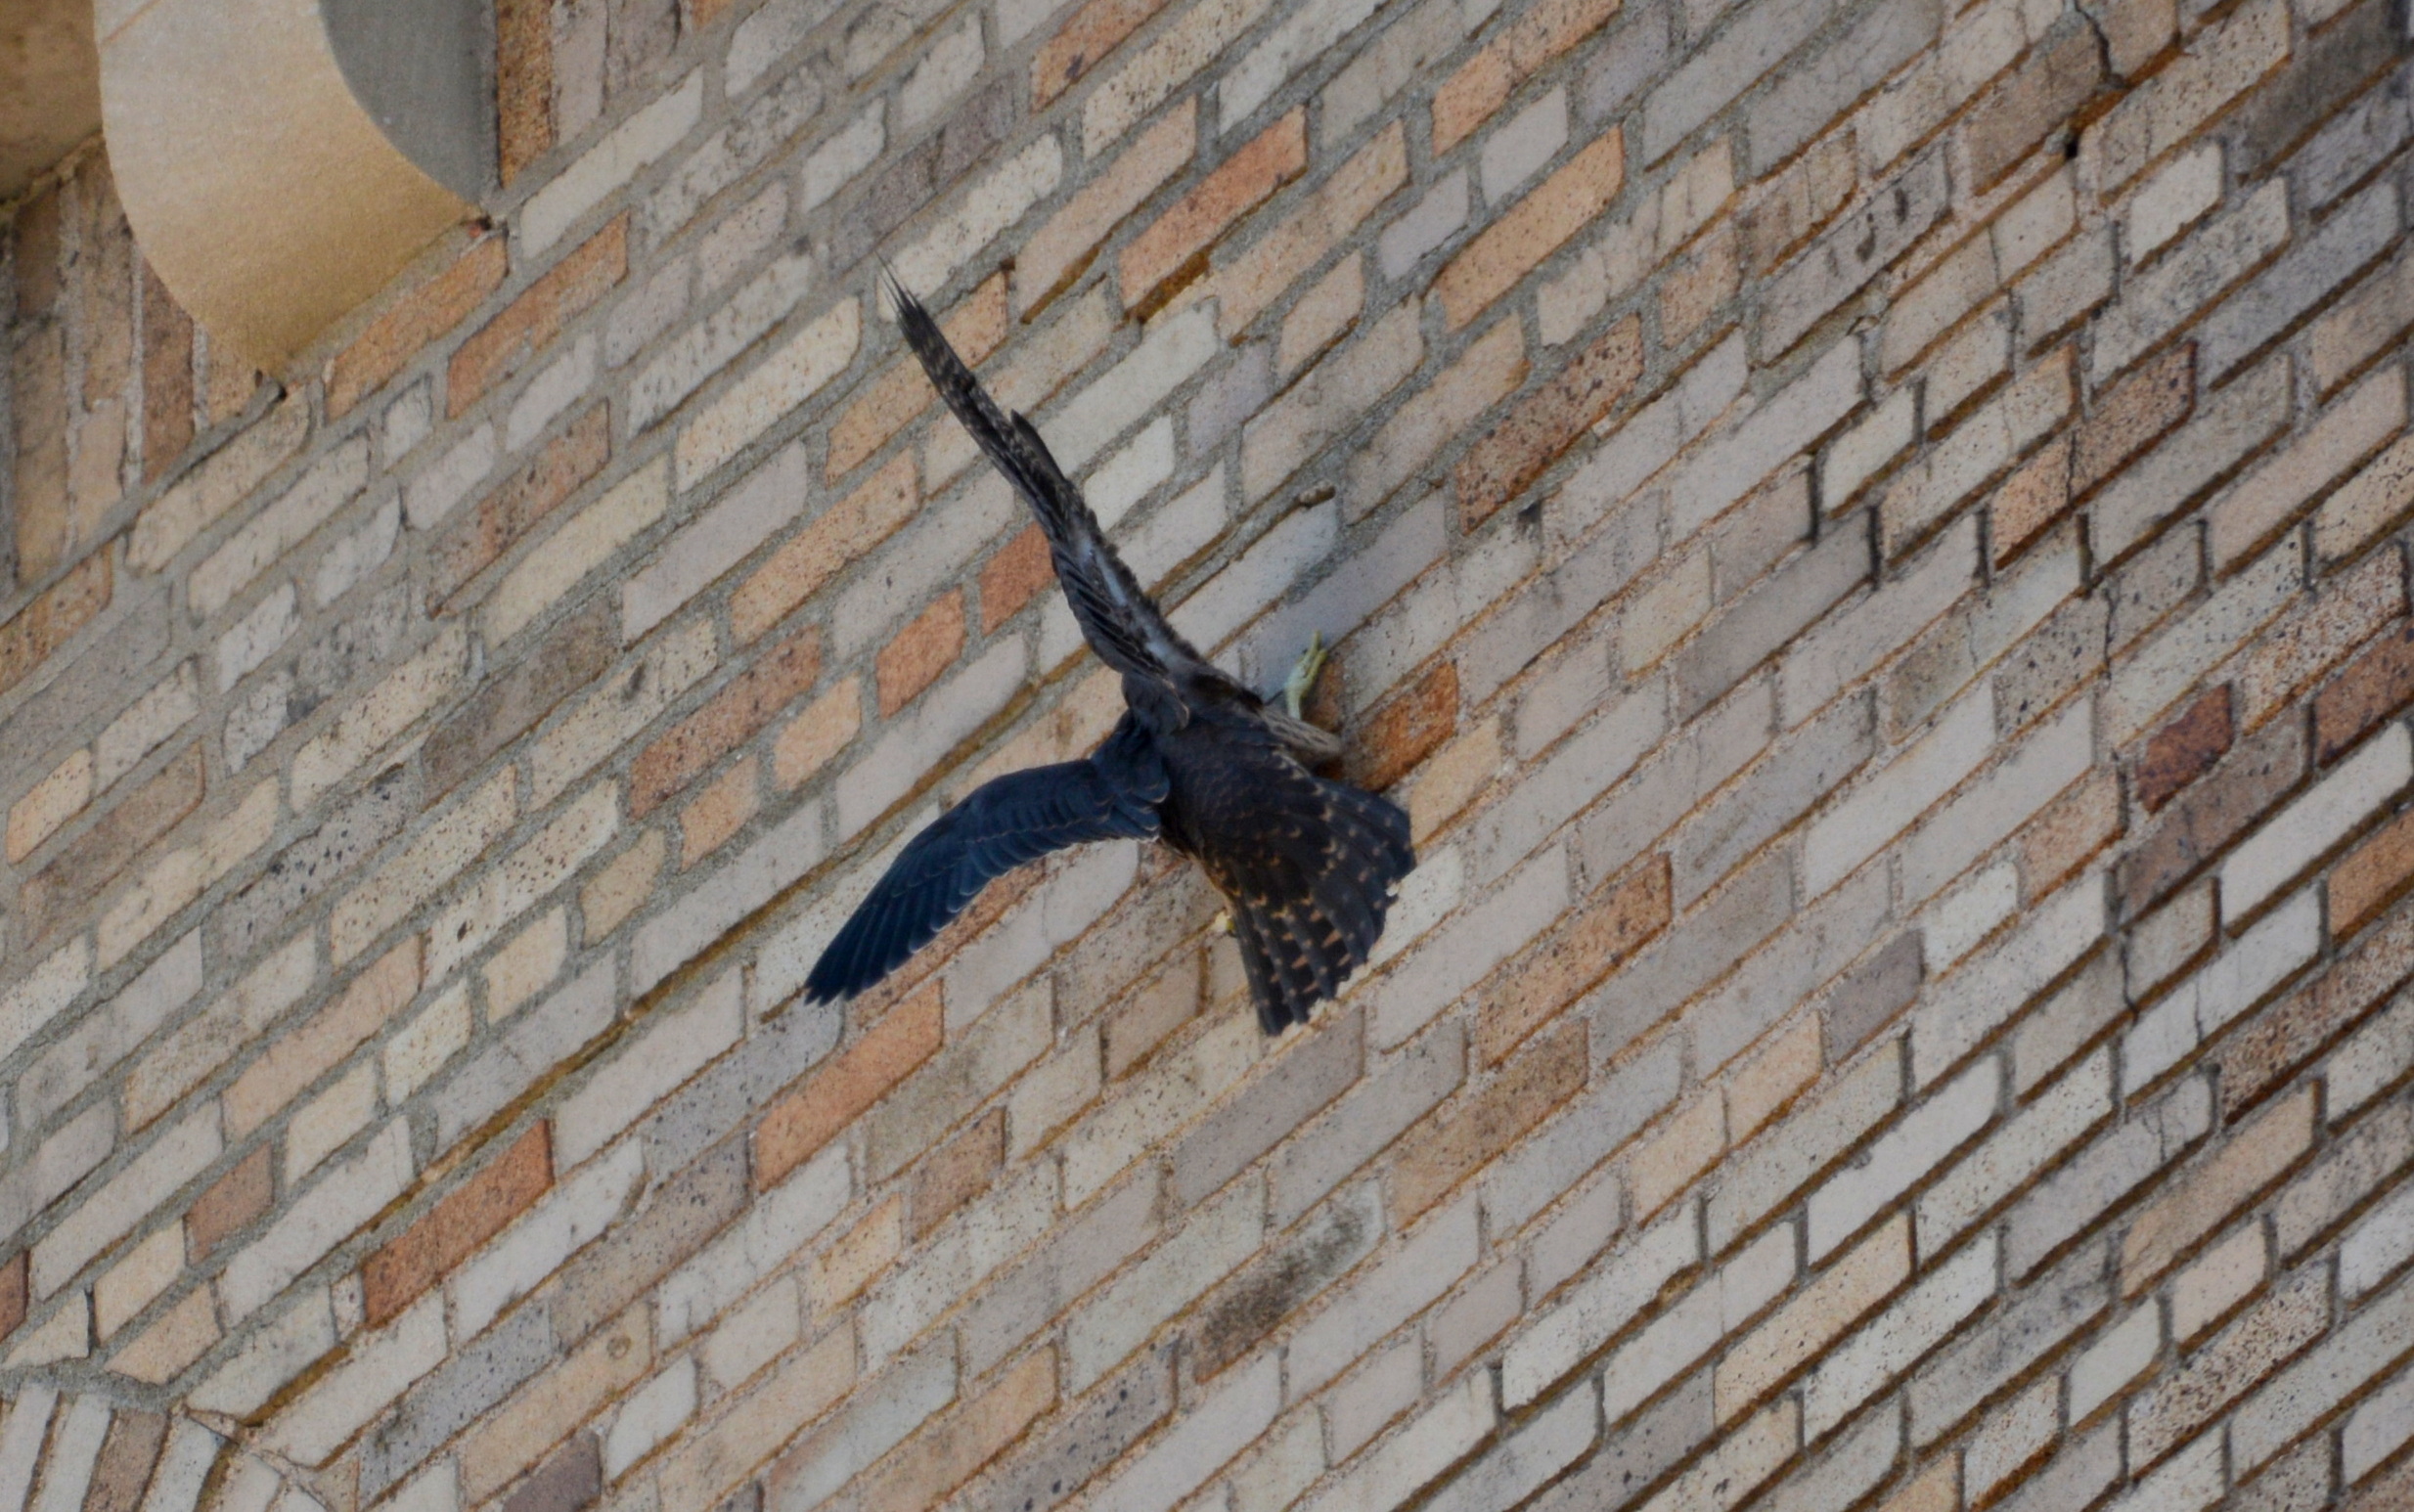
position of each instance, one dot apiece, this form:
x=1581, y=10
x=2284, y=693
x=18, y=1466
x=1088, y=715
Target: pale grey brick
x=1748, y=910
x=1386, y=1294
x=767, y=1061
x=2171, y=294
x=106, y=1035
x=1402, y=1089
x=1818, y=89
x=1761, y=33
x=1850, y=255
x=1772, y=614
x=1785, y=1157
x=2031, y=1325
x=2112, y=1166
x=1763, y=437
x=1433, y=220
x=1989, y=988
x=1580, y=771
x=1087, y=1440
x=1633, y=55
x=477, y=1376
x=2357, y=1351
x=2065, y=287
x=2355, y=142
x=2306, y=275
x=2231, y=424
x=1820, y=942
x=1673, y=782
x=735, y=150
x=1527, y=621
x=1776, y=792
x=1637, y=1455
x=1307, y=1075
x=1081, y=1252
x=709, y=909
x=535, y=1041
x=1514, y=1468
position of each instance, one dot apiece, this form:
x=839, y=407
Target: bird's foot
x=1222, y=924
x=1302, y=681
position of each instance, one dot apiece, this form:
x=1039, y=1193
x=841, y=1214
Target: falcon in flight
x=1307, y=865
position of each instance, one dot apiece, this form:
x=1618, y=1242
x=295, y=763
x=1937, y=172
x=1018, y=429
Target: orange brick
x=1467, y=98
x=44, y=625
x=719, y=811
x=2203, y=1199
x=1174, y=247
x=230, y=1205
x=817, y=733
x=1059, y=252
x=2184, y=749
x=523, y=83
x=1534, y=228
x=2371, y=876
x=1582, y=950
x=398, y=1273
x=975, y=328
x=730, y=719
x=847, y=529
x=1022, y=568
x=1093, y=32
x=1253, y=280
x=2079, y=823
x=923, y=650
x=424, y=314
x=528, y=324
x=2032, y=498
x=1440, y=1152
x=807, y=1119
x=2375, y=685
x=1548, y=421
x=1406, y=729
x=464, y=549
x=959, y=1171
x=2133, y=415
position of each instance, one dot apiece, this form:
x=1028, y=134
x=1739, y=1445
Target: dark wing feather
x=1308, y=865
x=1006, y=822
x=1116, y=615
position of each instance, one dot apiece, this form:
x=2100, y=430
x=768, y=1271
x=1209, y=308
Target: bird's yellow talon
x=1297, y=685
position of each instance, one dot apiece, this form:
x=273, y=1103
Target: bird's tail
x=1301, y=938
x=1007, y=440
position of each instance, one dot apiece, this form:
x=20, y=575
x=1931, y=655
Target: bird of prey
x=1307, y=866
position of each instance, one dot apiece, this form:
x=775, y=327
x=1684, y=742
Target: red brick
x=396, y=1275
x=1453, y=1143
x=424, y=314
x=1548, y=421
x=1534, y=228
x=846, y=530
x=107, y=848
x=2281, y=1038
x=2248, y=783
x=726, y=722
x=231, y=1204
x=1406, y=729
x=1174, y=249
x=807, y=1119
x=1093, y=32
x=523, y=83
x=465, y=547
x=2032, y=498
x=1482, y=84
x=2133, y=415
x=167, y=378
x=2373, y=686
x=2370, y=877
x=1022, y=568
x=922, y=651
x=974, y=328
x=45, y=625
x=528, y=324
x=2059, y=76
x=957, y=1172
x=1585, y=947
x=2185, y=749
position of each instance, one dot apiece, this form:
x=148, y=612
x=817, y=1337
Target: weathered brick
x=421, y=316
x=776, y=678
x=567, y=658
x=1587, y=947
x=1089, y=34
x=2184, y=749
x=2204, y=822
x=2233, y=1172
x=2057, y=78
x=1546, y=423
x=85, y=867
x=42, y=627
x=845, y=530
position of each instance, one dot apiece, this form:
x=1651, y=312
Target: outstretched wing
x=1308, y=865
x=1020, y=817
x=1116, y=615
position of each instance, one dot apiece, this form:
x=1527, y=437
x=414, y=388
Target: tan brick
x=2057, y=78
x=1403, y=732
x=1090, y=34
x=1583, y=950
x=805, y=1120
x=840, y=1272
x=719, y=810
x=2184, y=749
x=1772, y=1080
x=83, y=870
x=46, y=624
x=1531, y=230
x=1250, y=282
x=1696, y=286
x=2055, y=844
x=1174, y=244
x=809, y=741
x=2134, y=414
x=919, y=653
x=400, y=1271
x=957, y=1172
x=506, y=518
x=51, y=803
x=1442, y=1151
x=804, y=1385
x=2316, y=631
x=776, y=678
x=526, y=964
x=167, y=378
x=1484, y=82
x=1814, y=1317
x=615, y=893
x=1020, y=568
x=2375, y=685
x=1666, y=1163
x=513, y=1436
x=529, y=324
x=523, y=85
x=1062, y=250
x=846, y=530
x=2369, y=878
x=230, y=1203
x=1544, y=425
x=298, y=1056
x=925, y=1468
x=2206, y=1195
x=423, y=315
x=975, y=328
x=1462, y=767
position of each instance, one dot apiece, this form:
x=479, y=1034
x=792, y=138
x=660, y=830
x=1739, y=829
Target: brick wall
x=1871, y=543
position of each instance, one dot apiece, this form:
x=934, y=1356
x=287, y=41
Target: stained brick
x=2134, y=414
x=1401, y=733
x=773, y=678
x=1546, y=423
x=567, y=658
x=2199, y=825
x=2373, y=686
x=506, y=516
x=46, y=624
x=1586, y=946
x=230, y=1203
x=394, y=1275
x=1089, y=35
x=423, y=315
x=2058, y=77
x=524, y=328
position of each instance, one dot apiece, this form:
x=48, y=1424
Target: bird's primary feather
x=1309, y=865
